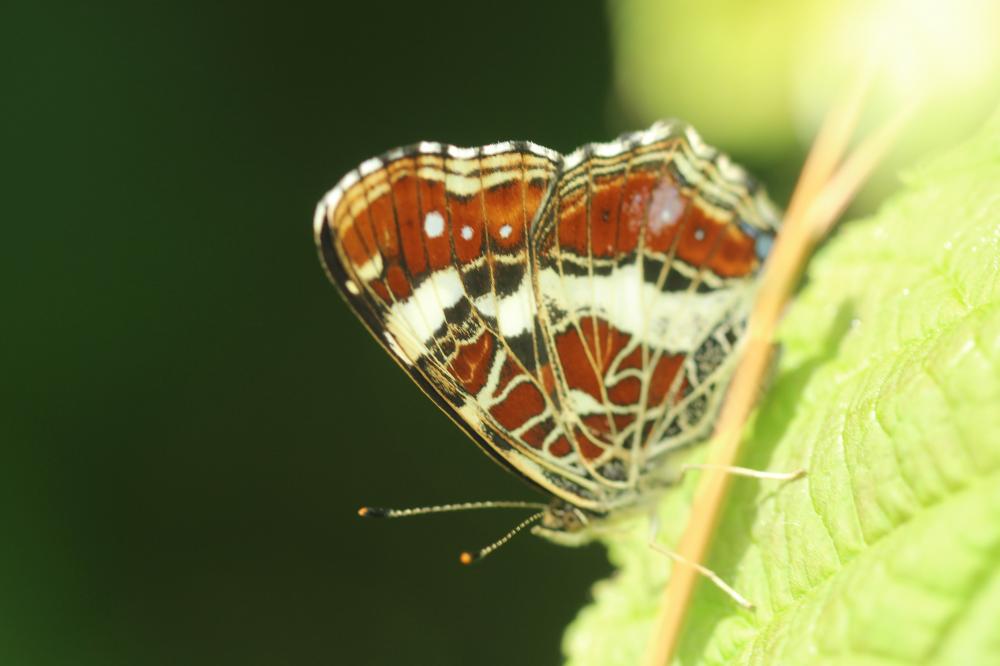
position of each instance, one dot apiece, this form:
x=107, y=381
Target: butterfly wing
x=429, y=246
x=646, y=258
x=576, y=316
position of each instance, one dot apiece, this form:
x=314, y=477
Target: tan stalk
x=820, y=197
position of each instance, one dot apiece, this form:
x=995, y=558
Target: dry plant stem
x=828, y=146
x=816, y=203
x=838, y=192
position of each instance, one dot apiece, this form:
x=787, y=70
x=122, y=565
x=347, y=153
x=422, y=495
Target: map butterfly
x=578, y=316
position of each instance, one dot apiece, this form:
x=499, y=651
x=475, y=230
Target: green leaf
x=888, y=393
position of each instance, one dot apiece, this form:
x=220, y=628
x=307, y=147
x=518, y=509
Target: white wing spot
x=505, y=231
x=665, y=208
x=467, y=232
x=352, y=287
x=699, y=234
x=433, y=224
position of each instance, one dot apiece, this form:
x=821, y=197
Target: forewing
x=646, y=258
x=429, y=245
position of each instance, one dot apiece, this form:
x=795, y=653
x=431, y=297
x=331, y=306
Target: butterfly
x=578, y=316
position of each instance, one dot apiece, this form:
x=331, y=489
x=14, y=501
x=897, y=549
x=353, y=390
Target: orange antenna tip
x=466, y=558
x=372, y=512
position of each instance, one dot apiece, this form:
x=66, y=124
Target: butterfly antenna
x=377, y=512
x=469, y=558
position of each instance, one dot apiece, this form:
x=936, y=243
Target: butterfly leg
x=654, y=528
x=746, y=471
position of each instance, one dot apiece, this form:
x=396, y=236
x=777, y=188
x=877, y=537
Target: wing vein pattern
x=577, y=316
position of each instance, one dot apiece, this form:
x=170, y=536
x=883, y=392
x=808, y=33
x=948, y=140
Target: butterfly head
x=563, y=523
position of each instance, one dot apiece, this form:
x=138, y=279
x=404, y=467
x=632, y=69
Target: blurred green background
x=191, y=416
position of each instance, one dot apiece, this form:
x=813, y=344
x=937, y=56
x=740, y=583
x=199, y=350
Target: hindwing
x=647, y=255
